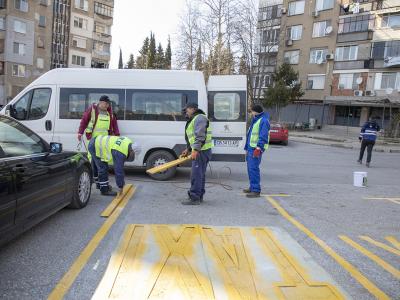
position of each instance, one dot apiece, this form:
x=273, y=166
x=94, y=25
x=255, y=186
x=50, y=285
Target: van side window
x=227, y=106
x=33, y=105
x=75, y=101
x=21, y=107
x=157, y=105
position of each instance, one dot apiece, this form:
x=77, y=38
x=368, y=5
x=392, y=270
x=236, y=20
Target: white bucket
x=360, y=179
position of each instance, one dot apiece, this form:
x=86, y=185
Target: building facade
x=36, y=36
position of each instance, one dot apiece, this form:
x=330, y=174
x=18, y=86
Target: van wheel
x=81, y=189
x=158, y=158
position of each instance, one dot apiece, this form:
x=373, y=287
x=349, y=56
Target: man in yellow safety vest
x=256, y=143
x=199, y=143
x=114, y=150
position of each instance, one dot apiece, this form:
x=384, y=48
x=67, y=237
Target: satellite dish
x=359, y=80
x=329, y=30
x=389, y=91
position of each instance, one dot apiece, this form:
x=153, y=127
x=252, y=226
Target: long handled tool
x=168, y=165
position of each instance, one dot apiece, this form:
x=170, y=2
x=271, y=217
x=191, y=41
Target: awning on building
x=364, y=101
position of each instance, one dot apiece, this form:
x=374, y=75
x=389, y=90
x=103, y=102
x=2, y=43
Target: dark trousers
x=253, y=171
x=198, y=176
x=100, y=168
x=369, y=145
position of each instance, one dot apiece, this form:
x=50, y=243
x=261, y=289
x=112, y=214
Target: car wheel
x=158, y=158
x=285, y=143
x=82, y=189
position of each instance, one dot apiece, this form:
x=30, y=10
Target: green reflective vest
x=255, y=135
x=104, y=145
x=102, y=124
x=192, y=138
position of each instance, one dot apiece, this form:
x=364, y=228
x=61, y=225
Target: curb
x=394, y=150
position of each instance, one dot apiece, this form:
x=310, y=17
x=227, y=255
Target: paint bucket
x=360, y=179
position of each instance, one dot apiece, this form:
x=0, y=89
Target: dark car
x=36, y=179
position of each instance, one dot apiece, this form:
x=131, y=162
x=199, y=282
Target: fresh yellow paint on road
x=393, y=240
x=380, y=245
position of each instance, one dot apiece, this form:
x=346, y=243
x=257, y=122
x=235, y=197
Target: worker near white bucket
x=367, y=139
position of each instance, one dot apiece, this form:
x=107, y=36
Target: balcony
x=102, y=37
x=354, y=64
x=355, y=7
x=385, y=6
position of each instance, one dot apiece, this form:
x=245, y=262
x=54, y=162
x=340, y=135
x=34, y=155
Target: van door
x=227, y=111
x=36, y=110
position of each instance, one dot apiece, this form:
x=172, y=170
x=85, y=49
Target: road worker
x=256, y=143
x=367, y=139
x=98, y=120
x=107, y=150
x=199, y=144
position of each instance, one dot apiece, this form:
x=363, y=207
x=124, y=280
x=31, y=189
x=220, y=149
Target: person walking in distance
x=98, y=120
x=367, y=139
x=256, y=143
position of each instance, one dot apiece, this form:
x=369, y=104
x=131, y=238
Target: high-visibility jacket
x=190, y=133
x=102, y=125
x=369, y=131
x=255, y=135
x=105, y=144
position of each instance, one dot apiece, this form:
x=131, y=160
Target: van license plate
x=226, y=143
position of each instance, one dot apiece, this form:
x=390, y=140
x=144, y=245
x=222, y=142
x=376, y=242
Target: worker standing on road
x=199, y=143
x=256, y=143
x=367, y=139
x=98, y=120
x=114, y=150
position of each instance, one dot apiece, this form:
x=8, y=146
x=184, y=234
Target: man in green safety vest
x=198, y=144
x=98, y=120
x=256, y=143
x=114, y=150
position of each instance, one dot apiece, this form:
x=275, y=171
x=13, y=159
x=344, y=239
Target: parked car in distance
x=36, y=179
x=279, y=134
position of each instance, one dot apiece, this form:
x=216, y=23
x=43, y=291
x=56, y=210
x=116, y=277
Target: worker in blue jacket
x=367, y=138
x=256, y=143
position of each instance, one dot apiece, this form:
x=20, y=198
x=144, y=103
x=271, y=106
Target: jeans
x=100, y=167
x=369, y=145
x=198, y=175
x=253, y=170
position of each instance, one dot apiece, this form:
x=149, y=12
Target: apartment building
x=38, y=35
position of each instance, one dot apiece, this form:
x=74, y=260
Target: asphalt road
x=322, y=198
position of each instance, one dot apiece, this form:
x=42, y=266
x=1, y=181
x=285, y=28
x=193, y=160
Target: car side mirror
x=55, y=147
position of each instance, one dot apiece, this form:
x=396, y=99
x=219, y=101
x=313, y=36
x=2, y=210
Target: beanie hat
x=105, y=99
x=257, y=108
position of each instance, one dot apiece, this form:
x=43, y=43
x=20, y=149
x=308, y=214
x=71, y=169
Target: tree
x=151, y=54
x=286, y=88
x=131, y=62
x=199, y=60
x=243, y=70
x=120, y=62
x=160, y=59
x=168, y=55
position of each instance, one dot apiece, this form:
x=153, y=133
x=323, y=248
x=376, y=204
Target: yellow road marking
x=116, y=201
x=68, y=279
x=371, y=287
x=395, y=272
x=380, y=245
x=393, y=240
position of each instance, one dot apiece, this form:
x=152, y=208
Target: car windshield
x=15, y=140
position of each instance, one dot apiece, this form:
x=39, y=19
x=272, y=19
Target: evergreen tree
x=160, y=57
x=199, y=60
x=131, y=62
x=120, y=62
x=168, y=55
x=151, y=54
x=141, y=60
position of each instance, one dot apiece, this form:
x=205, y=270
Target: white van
x=147, y=103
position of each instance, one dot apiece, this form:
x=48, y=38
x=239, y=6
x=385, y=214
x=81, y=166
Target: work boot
x=253, y=195
x=367, y=164
x=247, y=191
x=359, y=161
x=109, y=192
x=191, y=202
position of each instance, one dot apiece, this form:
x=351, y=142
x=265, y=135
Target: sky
x=133, y=21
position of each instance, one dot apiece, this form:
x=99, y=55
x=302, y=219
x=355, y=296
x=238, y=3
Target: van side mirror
x=9, y=110
x=55, y=147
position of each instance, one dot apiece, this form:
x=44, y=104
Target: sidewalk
x=343, y=137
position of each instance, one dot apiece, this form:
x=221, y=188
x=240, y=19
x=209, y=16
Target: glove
x=194, y=154
x=257, y=152
x=79, y=137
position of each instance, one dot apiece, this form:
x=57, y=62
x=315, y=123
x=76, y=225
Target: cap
x=257, y=108
x=191, y=105
x=105, y=99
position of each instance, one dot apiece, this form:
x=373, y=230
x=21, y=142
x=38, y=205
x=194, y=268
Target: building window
x=40, y=42
x=101, y=48
x=81, y=23
x=270, y=37
x=19, y=26
x=1, y=67
x=79, y=42
x=40, y=63
x=346, y=53
x=294, y=32
x=44, y=2
x=2, y=23
x=291, y=57
x=78, y=60
x=388, y=80
x=323, y=5
x=270, y=13
x=390, y=21
x=21, y=5
x=19, y=48
x=356, y=24
x=18, y=70
x=319, y=28
x=82, y=4
x=103, y=10
x=296, y=8
x=315, y=82
x=42, y=21
x=1, y=45
x=348, y=81
x=318, y=55
x=102, y=28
